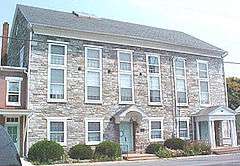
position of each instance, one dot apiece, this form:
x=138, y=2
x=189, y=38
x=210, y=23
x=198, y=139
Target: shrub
x=45, y=152
x=81, y=152
x=107, y=150
x=163, y=152
x=175, y=143
x=197, y=148
x=153, y=148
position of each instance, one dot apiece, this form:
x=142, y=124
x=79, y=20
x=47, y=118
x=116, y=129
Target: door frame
x=132, y=134
x=18, y=129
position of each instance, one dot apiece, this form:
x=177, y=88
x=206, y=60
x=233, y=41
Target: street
x=213, y=160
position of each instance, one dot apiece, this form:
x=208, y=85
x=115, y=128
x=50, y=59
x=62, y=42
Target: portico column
x=197, y=130
x=233, y=133
x=211, y=133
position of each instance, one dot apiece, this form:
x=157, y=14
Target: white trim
x=154, y=75
x=14, y=79
x=55, y=66
x=158, y=119
x=57, y=119
x=204, y=80
x=92, y=46
x=118, y=39
x=88, y=69
x=180, y=78
x=178, y=119
x=57, y=42
x=125, y=72
x=87, y=120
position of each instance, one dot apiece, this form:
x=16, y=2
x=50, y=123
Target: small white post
x=197, y=127
x=233, y=133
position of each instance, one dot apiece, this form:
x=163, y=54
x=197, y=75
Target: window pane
x=124, y=56
x=152, y=60
x=179, y=63
x=56, y=91
x=93, y=93
x=93, y=78
x=93, y=63
x=58, y=137
x=126, y=94
x=13, y=98
x=183, y=124
x=56, y=49
x=57, y=76
x=156, y=134
x=125, y=80
x=155, y=96
x=180, y=72
x=183, y=133
x=153, y=69
x=125, y=66
x=92, y=53
x=13, y=86
x=93, y=126
x=94, y=136
x=202, y=74
x=56, y=126
x=155, y=125
x=180, y=85
x=154, y=83
x=204, y=86
x=181, y=97
x=57, y=59
x=202, y=66
x=204, y=98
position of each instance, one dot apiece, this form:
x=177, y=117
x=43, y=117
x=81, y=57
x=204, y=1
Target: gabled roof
x=208, y=110
x=51, y=18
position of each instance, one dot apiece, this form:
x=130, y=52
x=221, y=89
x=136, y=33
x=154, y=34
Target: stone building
x=91, y=79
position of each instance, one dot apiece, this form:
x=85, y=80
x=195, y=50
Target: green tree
x=233, y=89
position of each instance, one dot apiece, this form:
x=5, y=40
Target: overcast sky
x=214, y=21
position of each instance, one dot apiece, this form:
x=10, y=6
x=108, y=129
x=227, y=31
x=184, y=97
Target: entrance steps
x=226, y=150
x=138, y=156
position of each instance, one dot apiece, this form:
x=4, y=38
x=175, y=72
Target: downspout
x=174, y=112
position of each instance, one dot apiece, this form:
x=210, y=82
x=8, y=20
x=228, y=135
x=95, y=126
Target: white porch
x=216, y=126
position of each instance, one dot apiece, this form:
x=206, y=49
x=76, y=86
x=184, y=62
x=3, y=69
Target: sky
x=214, y=21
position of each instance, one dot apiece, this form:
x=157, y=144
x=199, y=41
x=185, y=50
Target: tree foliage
x=233, y=89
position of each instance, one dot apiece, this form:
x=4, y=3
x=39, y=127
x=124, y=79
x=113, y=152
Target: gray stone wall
x=76, y=109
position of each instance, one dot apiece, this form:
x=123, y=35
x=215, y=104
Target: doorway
x=126, y=136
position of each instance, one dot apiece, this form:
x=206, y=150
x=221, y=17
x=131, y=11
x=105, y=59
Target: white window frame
x=186, y=119
x=87, y=120
x=156, y=119
x=181, y=78
x=21, y=56
x=14, y=79
x=125, y=72
x=89, y=69
x=203, y=80
x=154, y=75
x=58, y=119
x=55, y=66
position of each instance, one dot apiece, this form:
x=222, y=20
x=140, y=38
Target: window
x=180, y=82
x=57, y=66
x=94, y=131
x=57, y=130
x=13, y=91
x=156, y=129
x=226, y=128
x=203, y=82
x=183, y=127
x=125, y=74
x=93, y=75
x=154, y=85
x=21, y=57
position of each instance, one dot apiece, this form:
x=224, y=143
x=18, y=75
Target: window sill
x=93, y=143
x=205, y=105
x=13, y=104
x=182, y=105
x=126, y=102
x=155, y=104
x=57, y=101
x=93, y=102
x=156, y=140
x=185, y=138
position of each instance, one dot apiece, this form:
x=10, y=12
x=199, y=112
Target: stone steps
x=226, y=150
x=137, y=157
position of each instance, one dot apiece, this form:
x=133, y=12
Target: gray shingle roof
x=208, y=110
x=101, y=25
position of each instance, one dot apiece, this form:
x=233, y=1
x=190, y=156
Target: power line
x=235, y=63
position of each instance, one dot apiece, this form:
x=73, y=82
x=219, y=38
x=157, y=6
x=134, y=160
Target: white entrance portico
x=216, y=126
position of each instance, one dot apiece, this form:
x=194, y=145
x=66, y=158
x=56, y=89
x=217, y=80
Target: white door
x=13, y=131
